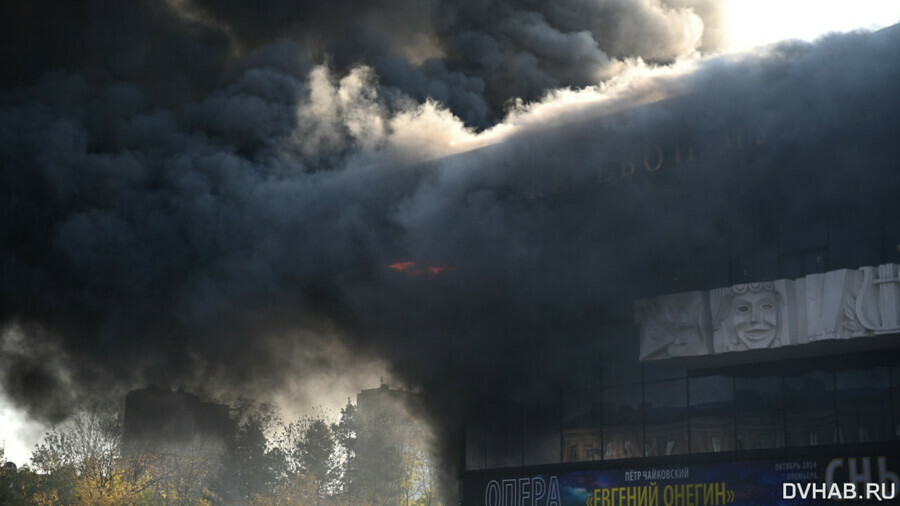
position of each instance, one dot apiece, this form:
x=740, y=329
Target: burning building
x=659, y=259
x=755, y=344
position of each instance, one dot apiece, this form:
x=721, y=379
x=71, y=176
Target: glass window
x=712, y=414
x=895, y=394
x=854, y=239
x=863, y=405
x=620, y=354
x=754, y=251
x=759, y=412
x=623, y=426
x=658, y=372
x=504, y=435
x=809, y=409
x=802, y=263
x=665, y=417
x=475, y=439
x=542, y=434
x=581, y=426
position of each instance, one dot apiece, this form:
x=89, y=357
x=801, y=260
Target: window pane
x=712, y=414
x=475, y=439
x=665, y=415
x=542, y=434
x=658, y=372
x=504, y=435
x=809, y=409
x=620, y=354
x=863, y=405
x=622, y=422
x=581, y=426
x=759, y=412
x=895, y=392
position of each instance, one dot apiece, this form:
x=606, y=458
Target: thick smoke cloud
x=200, y=191
x=475, y=56
x=471, y=56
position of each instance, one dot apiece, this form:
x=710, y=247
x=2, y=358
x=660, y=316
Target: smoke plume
x=213, y=193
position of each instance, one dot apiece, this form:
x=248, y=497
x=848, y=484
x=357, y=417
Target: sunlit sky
x=750, y=23
x=17, y=434
x=759, y=22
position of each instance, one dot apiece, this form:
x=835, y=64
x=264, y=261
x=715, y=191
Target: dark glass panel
x=759, y=412
x=582, y=420
x=504, y=435
x=809, y=409
x=620, y=364
x=475, y=438
x=542, y=434
x=863, y=405
x=665, y=417
x=623, y=426
x=712, y=414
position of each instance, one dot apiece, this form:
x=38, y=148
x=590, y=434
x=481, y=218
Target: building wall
x=788, y=404
x=159, y=416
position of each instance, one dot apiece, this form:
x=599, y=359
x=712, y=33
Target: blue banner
x=790, y=481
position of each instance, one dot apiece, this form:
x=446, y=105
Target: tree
x=372, y=464
x=90, y=442
x=312, y=453
x=23, y=486
x=178, y=473
x=256, y=468
x=80, y=459
x=296, y=489
x=81, y=462
x=386, y=453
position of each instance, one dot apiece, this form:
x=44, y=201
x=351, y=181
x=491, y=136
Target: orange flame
x=434, y=270
x=402, y=266
x=429, y=271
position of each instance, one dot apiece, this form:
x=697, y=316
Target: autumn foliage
x=371, y=460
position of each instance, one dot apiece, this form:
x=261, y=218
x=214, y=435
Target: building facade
x=158, y=417
x=742, y=363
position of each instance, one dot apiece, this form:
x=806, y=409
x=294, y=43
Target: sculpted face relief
x=754, y=317
x=829, y=306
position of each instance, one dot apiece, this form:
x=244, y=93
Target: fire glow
x=429, y=271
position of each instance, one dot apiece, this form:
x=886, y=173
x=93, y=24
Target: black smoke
x=471, y=56
x=192, y=191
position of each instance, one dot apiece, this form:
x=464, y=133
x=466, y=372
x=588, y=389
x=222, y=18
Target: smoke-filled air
x=245, y=198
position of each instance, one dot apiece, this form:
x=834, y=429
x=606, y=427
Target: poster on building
x=790, y=481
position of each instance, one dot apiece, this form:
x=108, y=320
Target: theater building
x=771, y=358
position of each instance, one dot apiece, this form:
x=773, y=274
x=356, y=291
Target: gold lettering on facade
x=658, y=153
x=679, y=154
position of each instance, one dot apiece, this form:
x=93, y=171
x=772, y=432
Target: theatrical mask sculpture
x=752, y=316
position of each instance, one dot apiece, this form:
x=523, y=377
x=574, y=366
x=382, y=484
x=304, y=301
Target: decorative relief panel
x=828, y=300
x=754, y=316
x=841, y=304
x=878, y=302
x=674, y=326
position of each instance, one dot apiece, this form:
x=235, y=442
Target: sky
x=204, y=195
x=766, y=21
